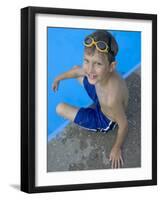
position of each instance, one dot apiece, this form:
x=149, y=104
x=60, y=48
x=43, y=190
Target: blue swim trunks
x=92, y=118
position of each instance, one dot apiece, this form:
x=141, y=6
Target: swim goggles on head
x=100, y=45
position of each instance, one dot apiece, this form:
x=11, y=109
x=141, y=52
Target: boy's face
x=96, y=67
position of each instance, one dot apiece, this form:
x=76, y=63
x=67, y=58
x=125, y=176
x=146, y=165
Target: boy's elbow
x=76, y=67
x=78, y=70
x=124, y=126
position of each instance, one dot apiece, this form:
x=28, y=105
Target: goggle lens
x=88, y=41
x=100, y=45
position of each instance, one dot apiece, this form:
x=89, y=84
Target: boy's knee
x=60, y=108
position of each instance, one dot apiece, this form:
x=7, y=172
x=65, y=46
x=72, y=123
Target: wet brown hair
x=103, y=35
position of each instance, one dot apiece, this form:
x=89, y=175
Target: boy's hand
x=55, y=85
x=116, y=158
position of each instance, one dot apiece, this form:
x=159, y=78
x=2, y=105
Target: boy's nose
x=91, y=68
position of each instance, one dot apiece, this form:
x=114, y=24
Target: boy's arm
x=82, y=74
x=75, y=72
x=120, y=117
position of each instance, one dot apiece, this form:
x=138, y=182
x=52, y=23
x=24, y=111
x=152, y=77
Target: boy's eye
x=86, y=61
x=98, y=63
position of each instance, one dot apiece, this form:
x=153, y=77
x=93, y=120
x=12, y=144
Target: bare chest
x=102, y=96
x=108, y=94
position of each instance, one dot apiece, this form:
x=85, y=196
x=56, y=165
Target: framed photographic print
x=88, y=99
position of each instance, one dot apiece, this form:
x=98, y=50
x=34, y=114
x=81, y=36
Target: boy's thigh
x=67, y=111
x=87, y=118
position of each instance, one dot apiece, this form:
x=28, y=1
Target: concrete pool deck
x=78, y=149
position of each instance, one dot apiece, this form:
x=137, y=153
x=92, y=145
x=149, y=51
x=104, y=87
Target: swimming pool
x=65, y=49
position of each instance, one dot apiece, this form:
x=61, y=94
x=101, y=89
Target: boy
x=105, y=87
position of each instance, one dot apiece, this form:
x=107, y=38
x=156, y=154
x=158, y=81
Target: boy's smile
x=92, y=76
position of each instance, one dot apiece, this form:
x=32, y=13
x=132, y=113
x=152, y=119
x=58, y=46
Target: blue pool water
x=65, y=49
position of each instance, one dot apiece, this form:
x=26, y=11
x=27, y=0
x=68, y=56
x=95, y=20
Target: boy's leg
x=67, y=111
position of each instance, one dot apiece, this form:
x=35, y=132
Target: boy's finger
x=118, y=164
x=122, y=162
x=53, y=86
x=112, y=164
x=115, y=164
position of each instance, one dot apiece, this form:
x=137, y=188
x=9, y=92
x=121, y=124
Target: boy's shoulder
x=115, y=83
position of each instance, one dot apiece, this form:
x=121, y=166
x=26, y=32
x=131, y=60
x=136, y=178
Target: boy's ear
x=113, y=66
